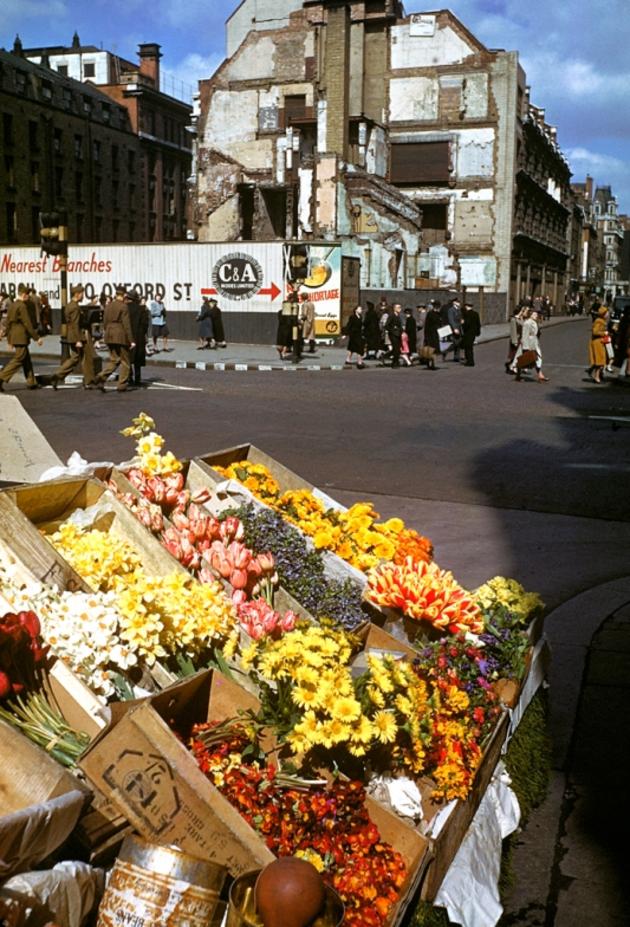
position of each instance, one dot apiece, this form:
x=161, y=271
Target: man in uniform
x=20, y=330
x=79, y=343
x=119, y=340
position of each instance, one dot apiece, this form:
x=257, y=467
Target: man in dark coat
x=119, y=340
x=471, y=329
x=139, y=321
x=20, y=330
x=394, y=329
x=77, y=341
x=371, y=331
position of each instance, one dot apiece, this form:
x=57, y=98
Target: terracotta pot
x=242, y=907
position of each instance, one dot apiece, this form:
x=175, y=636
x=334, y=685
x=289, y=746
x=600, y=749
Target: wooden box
x=148, y=772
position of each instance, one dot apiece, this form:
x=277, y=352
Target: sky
x=574, y=53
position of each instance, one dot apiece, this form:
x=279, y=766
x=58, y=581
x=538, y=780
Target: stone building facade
x=160, y=121
x=611, y=230
x=403, y=136
x=65, y=145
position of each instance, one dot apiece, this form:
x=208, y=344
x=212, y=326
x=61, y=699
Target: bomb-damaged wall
x=241, y=109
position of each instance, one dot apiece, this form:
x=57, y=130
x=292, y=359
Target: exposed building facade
x=591, y=266
x=160, y=121
x=65, y=145
x=402, y=136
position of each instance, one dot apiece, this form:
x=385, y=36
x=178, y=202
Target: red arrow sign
x=272, y=291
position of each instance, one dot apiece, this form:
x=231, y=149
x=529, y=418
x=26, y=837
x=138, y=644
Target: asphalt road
x=463, y=435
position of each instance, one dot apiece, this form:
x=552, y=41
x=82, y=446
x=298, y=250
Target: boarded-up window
x=294, y=108
x=419, y=163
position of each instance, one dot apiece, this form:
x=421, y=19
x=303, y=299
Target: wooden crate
x=147, y=771
x=47, y=505
x=446, y=844
x=28, y=775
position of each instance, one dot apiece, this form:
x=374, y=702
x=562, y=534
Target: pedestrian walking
x=283, y=332
x=597, y=346
x=204, y=319
x=411, y=331
x=139, y=322
x=371, y=332
x=119, y=340
x=20, y=332
x=307, y=319
x=454, y=319
x=216, y=317
x=529, y=353
x=159, y=328
x=431, y=339
x=516, y=323
x=622, y=344
x=354, y=331
x=471, y=329
x=5, y=302
x=394, y=329
x=76, y=337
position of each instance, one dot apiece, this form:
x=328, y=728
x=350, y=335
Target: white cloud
x=189, y=71
x=596, y=160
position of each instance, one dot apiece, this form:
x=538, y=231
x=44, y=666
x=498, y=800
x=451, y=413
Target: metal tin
x=154, y=886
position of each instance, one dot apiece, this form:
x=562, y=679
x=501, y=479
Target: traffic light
x=53, y=232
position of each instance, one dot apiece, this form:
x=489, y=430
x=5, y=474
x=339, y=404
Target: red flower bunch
x=21, y=652
x=329, y=826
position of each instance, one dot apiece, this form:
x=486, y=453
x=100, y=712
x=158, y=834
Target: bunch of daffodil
x=159, y=615
x=424, y=592
x=509, y=594
x=254, y=477
x=149, y=446
x=82, y=628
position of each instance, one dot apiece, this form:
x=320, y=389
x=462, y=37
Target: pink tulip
x=238, y=579
x=288, y=621
x=231, y=529
x=239, y=598
x=240, y=555
x=266, y=562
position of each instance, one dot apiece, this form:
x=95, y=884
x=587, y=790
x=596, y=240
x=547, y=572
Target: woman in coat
x=216, y=317
x=596, y=349
x=530, y=341
x=371, y=331
x=354, y=331
x=205, y=327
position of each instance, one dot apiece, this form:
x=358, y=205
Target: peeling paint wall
x=475, y=95
x=474, y=224
x=326, y=195
x=416, y=51
x=224, y=223
x=255, y=60
x=475, y=153
x=413, y=99
x=376, y=153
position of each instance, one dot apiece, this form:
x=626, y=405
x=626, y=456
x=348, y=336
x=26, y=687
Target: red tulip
x=30, y=621
x=5, y=685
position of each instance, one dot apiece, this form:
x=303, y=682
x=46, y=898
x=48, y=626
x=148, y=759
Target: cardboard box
x=148, y=772
x=24, y=452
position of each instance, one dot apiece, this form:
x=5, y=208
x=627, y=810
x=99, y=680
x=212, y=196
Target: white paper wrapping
x=69, y=891
x=27, y=837
x=470, y=891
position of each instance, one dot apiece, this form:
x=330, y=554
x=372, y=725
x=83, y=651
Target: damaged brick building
x=403, y=137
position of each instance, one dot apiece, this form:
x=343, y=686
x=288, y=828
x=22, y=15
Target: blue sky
x=575, y=55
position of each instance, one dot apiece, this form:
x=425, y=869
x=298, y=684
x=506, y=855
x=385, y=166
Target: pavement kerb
x=272, y=365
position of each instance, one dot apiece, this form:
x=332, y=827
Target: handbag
x=527, y=359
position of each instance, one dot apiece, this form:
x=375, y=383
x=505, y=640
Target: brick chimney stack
x=150, y=55
x=589, y=187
